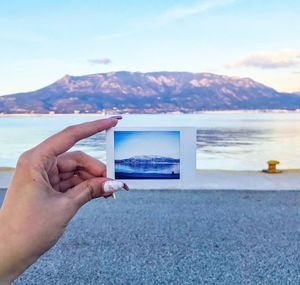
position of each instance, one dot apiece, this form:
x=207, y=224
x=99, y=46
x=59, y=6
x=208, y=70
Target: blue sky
x=41, y=41
x=132, y=143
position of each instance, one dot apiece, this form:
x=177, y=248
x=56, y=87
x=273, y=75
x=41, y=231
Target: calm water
x=243, y=141
x=147, y=170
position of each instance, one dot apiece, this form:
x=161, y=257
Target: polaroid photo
x=151, y=157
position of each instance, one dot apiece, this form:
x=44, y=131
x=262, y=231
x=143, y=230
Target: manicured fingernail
x=113, y=186
x=116, y=117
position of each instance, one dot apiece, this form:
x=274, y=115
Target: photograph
x=166, y=132
x=147, y=154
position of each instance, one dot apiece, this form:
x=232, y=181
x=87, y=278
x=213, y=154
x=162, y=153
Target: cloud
x=104, y=61
x=178, y=13
x=171, y=15
x=281, y=59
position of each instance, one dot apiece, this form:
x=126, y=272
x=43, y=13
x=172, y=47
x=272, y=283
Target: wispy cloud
x=178, y=13
x=103, y=61
x=281, y=59
x=167, y=17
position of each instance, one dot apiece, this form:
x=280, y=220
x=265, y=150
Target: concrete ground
x=215, y=180
x=178, y=237
x=247, y=180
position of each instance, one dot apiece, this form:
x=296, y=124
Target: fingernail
x=112, y=196
x=113, y=186
x=117, y=117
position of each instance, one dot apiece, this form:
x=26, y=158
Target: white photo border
x=187, y=153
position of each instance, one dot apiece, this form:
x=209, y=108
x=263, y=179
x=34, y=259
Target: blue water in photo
x=144, y=170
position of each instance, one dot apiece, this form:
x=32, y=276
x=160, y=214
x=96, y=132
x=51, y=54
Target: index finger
x=65, y=139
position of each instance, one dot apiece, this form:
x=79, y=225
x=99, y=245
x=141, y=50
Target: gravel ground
x=178, y=237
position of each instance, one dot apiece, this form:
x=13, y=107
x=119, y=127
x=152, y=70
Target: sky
x=41, y=41
x=133, y=143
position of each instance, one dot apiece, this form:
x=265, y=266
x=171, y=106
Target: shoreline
x=3, y=115
x=6, y=169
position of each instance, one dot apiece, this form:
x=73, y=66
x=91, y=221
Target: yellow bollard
x=272, y=167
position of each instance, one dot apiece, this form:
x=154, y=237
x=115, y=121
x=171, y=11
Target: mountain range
x=153, y=92
x=148, y=159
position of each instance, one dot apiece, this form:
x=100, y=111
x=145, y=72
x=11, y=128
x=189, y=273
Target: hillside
x=154, y=92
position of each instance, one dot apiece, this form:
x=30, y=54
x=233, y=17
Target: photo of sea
x=147, y=154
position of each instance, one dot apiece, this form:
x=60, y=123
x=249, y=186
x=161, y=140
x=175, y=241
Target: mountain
x=148, y=159
x=153, y=92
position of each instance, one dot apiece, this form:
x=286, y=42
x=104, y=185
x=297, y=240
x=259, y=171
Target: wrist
x=13, y=257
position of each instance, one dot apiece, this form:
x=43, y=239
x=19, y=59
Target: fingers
x=94, y=188
x=71, y=180
x=76, y=167
x=81, y=173
x=64, y=140
x=64, y=185
x=78, y=162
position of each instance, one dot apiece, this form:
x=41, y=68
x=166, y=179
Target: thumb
x=94, y=188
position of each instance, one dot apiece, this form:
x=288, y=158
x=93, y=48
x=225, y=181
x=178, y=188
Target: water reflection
x=228, y=137
x=170, y=168
x=242, y=141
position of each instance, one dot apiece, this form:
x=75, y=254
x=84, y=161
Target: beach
x=178, y=237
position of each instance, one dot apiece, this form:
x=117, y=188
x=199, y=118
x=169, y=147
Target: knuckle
x=31, y=157
x=79, y=153
x=89, y=191
x=25, y=158
x=70, y=129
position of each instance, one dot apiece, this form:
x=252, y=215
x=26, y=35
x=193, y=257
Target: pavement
x=247, y=180
x=215, y=180
x=178, y=237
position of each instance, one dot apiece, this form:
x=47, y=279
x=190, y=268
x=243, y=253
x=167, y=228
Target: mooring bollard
x=272, y=167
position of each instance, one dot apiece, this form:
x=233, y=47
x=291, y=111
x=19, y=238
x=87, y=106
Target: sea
x=146, y=170
x=225, y=140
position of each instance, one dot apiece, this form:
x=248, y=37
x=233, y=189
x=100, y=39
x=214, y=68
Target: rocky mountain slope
x=153, y=92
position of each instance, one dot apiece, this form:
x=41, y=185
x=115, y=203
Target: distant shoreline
x=2, y=115
x=6, y=169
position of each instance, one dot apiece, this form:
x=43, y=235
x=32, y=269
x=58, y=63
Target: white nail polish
x=113, y=186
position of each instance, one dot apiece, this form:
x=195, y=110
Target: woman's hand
x=48, y=188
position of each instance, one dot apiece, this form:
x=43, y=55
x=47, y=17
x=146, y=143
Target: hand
x=48, y=188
